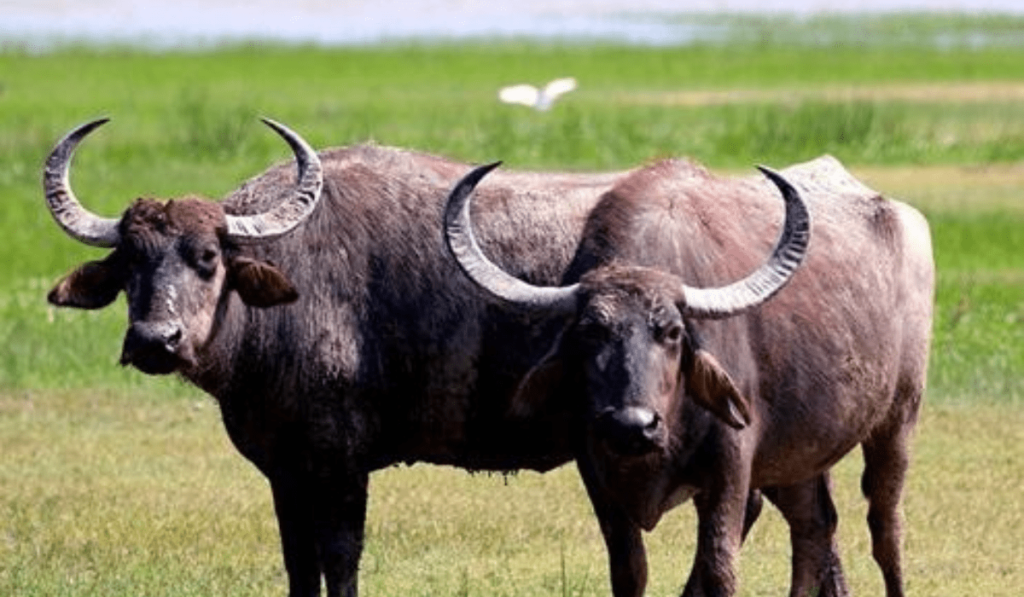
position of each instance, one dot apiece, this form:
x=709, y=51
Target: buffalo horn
x=76, y=221
x=464, y=247
x=701, y=303
x=87, y=227
x=758, y=287
x=288, y=214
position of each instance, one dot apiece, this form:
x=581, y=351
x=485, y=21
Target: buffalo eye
x=591, y=332
x=671, y=333
x=205, y=261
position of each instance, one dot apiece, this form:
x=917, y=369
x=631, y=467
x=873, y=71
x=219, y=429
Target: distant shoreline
x=186, y=24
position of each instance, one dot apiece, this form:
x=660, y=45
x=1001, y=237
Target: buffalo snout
x=630, y=431
x=153, y=348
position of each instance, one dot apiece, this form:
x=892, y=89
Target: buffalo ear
x=710, y=385
x=93, y=285
x=260, y=284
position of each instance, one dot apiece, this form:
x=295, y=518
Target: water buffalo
x=690, y=384
x=325, y=316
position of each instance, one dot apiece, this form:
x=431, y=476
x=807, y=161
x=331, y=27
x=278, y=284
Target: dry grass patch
x=955, y=92
x=953, y=188
x=115, y=494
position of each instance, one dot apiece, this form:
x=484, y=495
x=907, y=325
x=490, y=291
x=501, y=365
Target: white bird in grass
x=538, y=99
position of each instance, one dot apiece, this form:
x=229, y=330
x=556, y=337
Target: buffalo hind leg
x=811, y=514
x=627, y=557
x=885, y=467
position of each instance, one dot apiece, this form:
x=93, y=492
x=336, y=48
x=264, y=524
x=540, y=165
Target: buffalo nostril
x=652, y=426
x=174, y=339
x=643, y=417
x=153, y=347
x=632, y=430
x=645, y=424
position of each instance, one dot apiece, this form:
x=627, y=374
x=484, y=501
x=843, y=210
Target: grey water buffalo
x=323, y=313
x=699, y=373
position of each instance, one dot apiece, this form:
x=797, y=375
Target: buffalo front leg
x=298, y=543
x=721, y=516
x=341, y=519
x=321, y=526
x=627, y=558
x=811, y=514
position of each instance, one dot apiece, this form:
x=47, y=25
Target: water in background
x=334, y=22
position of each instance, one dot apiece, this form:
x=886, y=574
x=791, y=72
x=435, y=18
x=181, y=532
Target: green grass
x=116, y=483
x=105, y=493
x=186, y=122
x=977, y=220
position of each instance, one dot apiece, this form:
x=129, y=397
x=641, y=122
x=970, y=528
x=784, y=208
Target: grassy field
x=114, y=483
x=126, y=494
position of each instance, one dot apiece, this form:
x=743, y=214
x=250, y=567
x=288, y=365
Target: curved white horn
x=288, y=214
x=463, y=245
x=761, y=285
x=76, y=221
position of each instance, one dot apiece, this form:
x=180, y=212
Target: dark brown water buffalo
x=329, y=322
x=692, y=384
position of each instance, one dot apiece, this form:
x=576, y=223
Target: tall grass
x=978, y=347
x=186, y=122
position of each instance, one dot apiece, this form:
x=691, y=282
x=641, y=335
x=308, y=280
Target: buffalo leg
x=321, y=527
x=721, y=517
x=885, y=466
x=340, y=520
x=812, y=518
x=298, y=542
x=627, y=557
x=754, y=504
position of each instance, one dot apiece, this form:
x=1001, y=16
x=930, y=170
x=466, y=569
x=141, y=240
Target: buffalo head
x=628, y=341
x=177, y=261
